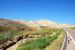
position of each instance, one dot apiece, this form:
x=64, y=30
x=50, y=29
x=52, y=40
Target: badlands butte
x=44, y=22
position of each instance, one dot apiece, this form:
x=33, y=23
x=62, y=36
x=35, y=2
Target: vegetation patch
x=57, y=44
x=8, y=34
x=40, y=43
x=73, y=28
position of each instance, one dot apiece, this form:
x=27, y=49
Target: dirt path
x=15, y=46
x=19, y=42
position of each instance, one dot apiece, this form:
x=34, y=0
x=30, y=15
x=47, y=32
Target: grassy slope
x=39, y=44
x=4, y=36
x=73, y=28
x=10, y=29
x=56, y=45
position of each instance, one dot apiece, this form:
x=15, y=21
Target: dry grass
x=56, y=45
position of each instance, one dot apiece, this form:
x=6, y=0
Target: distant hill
x=46, y=23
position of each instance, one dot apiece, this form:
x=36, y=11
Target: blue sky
x=61, y=11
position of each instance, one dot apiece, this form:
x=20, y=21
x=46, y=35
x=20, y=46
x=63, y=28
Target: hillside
x=12, y=24
x=9, y=29
x=13, y=31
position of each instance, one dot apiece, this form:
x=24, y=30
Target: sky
x=61, y=11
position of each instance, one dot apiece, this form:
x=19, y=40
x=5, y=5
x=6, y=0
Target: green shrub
x=4, y=37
